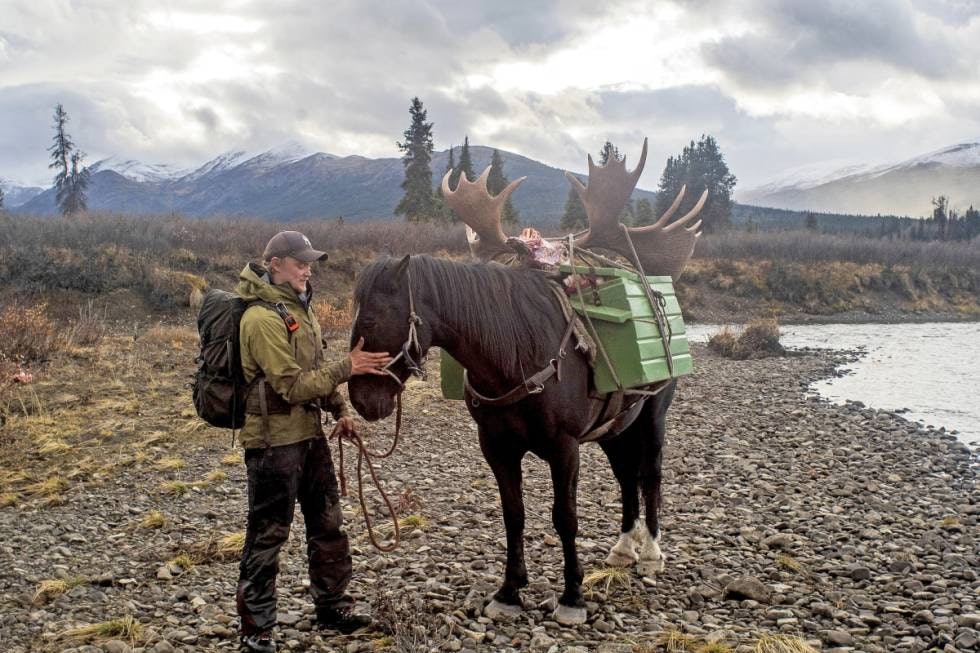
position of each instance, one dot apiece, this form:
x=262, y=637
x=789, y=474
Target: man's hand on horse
x=367, y=362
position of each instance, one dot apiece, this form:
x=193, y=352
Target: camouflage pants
x=277, y=478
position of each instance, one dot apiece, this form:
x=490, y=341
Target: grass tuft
x=675, y=641
x=154, y=519
x=217, y=476
x=413, y=522
x=170, y=464
x=182, y=562
x=608, y=579
x=232, y=459
x=782, y=644
x=790, y=563
x=176, y=488
x=9, y=499
x=49, y=589
x=127, y=628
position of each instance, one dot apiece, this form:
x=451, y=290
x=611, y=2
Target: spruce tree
x=444, y=213
x=810, y=221
x=574, y=218
x=609, y=151
x=700, y=165
x=644, y=212
x=418, y=203
x=70, y=179
x=496, y=182
x=1, y=197
x=465, y=162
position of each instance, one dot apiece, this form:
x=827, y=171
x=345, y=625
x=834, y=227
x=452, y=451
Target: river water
x=932, y=370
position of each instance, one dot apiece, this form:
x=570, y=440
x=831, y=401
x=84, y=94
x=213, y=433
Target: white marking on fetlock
x=568, y=616
x=624, y=553
x=501, y=611
x=652, y=559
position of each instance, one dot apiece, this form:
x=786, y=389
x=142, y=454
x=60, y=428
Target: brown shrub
x=758, y=339
x=27, y=334
x=335, y=321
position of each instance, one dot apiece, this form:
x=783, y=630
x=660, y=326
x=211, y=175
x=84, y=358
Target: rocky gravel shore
x=849, y=527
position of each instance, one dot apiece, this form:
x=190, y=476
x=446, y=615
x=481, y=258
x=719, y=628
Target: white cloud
x=778, y=82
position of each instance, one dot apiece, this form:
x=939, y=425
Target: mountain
x=904, y=188
x=15, y=195
x=291, y=183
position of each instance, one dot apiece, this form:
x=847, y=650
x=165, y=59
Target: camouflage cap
x=295, y=244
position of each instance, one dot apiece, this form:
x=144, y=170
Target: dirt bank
x=857, y=527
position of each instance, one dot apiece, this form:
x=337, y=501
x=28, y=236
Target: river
x=930, y=370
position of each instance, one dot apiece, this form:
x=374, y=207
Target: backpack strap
x=291, y=325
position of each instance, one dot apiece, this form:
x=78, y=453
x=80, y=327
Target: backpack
x=219, y=386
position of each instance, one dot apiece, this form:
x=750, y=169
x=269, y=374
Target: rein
x=370, y=456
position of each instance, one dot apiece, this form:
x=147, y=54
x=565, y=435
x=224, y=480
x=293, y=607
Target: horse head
x=389, y=319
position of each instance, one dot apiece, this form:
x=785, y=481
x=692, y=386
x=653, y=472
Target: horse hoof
x=617, y=559
x=568, y=616
x=501, y=611
x=650, y=568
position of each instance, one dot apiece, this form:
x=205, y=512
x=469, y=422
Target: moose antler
x=480, y=212
x=662, y=249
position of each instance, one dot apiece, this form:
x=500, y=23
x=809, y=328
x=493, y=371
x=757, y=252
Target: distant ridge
x=290, y=183
x=904, y=188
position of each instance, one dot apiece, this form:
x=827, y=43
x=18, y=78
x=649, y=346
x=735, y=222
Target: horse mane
x=513, y=310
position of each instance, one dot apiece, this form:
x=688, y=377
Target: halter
x=415, y=363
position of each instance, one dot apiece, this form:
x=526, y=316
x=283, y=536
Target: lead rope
x=363, y=454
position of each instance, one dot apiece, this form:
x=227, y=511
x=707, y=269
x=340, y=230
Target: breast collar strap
x=531, y=386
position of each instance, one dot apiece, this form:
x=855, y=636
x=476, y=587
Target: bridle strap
x=416, y=367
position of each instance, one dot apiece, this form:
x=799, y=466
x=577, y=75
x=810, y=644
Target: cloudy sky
x=779, y=83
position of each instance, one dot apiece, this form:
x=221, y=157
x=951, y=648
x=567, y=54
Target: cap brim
x=310, y=255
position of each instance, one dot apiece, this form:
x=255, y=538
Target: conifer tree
x=1, y=197
x=496, y=182
x=700, y=165
x=609, y=151
x=574, y=218
x=644, y=212
x=465, y=162
x=810, y=221
x=418, y=202
x=70, y=179
x=444, y=213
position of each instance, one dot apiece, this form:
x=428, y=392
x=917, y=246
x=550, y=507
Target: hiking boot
x=343, y=619
x=258, y=643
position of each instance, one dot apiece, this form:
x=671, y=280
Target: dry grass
x=758, y=339
x=234, y=458
x=154, y=520
x=215, y=477
x=782, y=644
x=176, y=488
x=607, y=579
x=126, y=628
x=792, y=564
x=170, y=464
x=9, y=499
x=172, y=336
x=335, y=320
x=217, y=547
x=183, y=562
x=49, y=589
x=675, y=641
x=28, y=334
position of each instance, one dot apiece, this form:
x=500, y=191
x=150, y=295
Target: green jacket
x=292, y=364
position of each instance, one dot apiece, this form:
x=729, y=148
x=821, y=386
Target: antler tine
x=669, y=212
x=610, y=187
x=480, y=212
x=690, y=214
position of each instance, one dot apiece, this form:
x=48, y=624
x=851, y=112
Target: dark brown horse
x=504, y=324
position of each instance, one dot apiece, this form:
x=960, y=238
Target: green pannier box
x=626, y=326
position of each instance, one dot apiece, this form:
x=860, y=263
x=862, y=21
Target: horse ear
x=402, y=266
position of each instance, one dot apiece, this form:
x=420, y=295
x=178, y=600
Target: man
x=286, y=451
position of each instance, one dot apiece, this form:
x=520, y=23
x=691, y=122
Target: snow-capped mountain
x=903, y=188
x=15, y=194
x=289, y=182
x=137, y=170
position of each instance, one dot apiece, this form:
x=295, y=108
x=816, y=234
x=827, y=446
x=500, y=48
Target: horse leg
x=564, y=477
x=506, y=467
x=652, y=560
x=622, y=453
